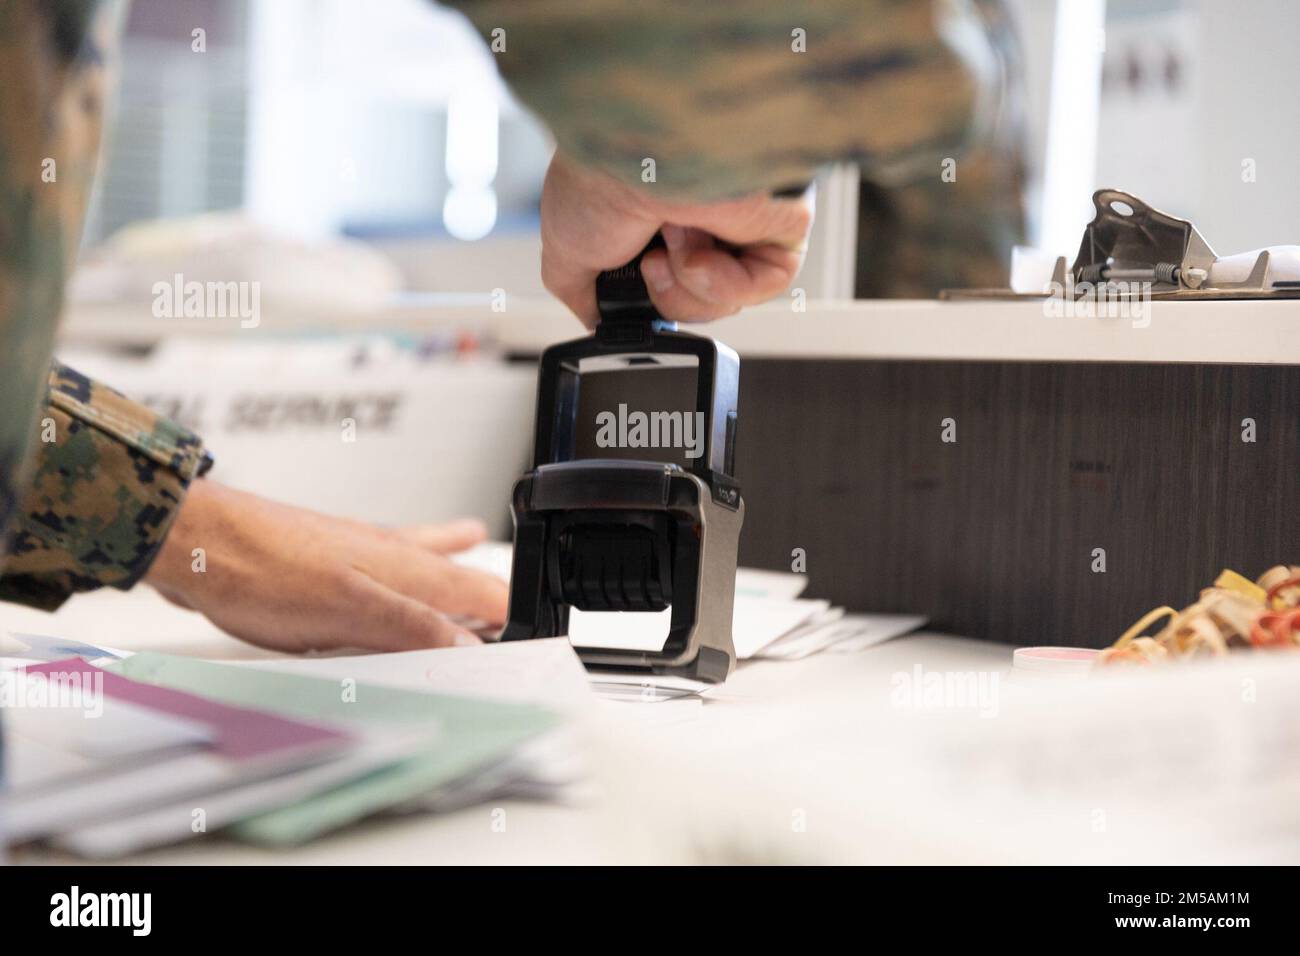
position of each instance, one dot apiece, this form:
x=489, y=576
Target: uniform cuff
x=109, y=477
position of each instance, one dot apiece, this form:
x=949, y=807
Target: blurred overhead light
x=473, y=121
x=469, y=212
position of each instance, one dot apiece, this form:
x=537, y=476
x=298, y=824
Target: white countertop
x=536, y=832
x=1213, y=331
x=846, y=758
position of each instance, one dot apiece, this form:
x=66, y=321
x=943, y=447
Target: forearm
x=718, y=96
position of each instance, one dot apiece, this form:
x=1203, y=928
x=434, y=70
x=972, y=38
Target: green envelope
x=466, y=735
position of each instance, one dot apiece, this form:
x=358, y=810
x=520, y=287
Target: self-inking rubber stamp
x=635, y=525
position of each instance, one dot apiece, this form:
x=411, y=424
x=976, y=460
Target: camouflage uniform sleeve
x=735, y=97
x=52, y=90
x=956, y=231
x=109, y=477
x=94, y=502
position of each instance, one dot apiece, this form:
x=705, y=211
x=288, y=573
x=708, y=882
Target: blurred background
x=329, y=117
x=366, y=167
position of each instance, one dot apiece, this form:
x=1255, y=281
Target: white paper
x=756, y=622
x=121, y=731
x=544, y=672
x=42, y=647
x=813, y=630
x=172, y=822
x=851, y=632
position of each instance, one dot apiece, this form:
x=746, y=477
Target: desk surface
x=881, y=756
x=535, y=832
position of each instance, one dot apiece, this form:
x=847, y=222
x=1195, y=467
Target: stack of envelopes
x=108, y=757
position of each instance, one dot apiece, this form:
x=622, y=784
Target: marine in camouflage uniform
x=89, y=481
x=725, y=98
